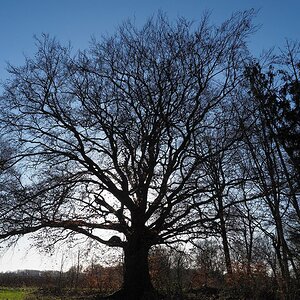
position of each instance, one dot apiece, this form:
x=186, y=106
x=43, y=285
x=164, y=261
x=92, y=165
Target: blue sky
x=76, y=21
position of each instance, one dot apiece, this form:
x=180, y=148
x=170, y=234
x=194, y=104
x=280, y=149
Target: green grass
x=10, y=293
x=13, y=293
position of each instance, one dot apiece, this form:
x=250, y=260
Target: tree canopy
x=118, y=130
x=148, y=137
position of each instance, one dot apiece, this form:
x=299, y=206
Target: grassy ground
x=13, y=293
x=31, y=294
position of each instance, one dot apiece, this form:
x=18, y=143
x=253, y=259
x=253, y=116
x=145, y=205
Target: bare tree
x=272, y=145
x=111, y=140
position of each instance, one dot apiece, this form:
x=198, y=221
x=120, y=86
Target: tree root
x=122, y=295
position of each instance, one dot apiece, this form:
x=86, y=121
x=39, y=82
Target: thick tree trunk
x=136, y=279
x=137, y=283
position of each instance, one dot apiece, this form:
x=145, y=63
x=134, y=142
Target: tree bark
x=226, y=247
x=282, y=255
x=136, y=278
x=224, y=236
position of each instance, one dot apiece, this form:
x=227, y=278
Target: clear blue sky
x=76, y=21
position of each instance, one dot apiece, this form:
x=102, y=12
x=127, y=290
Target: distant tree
x=111, y=140
x=161, y=269
x=104, y=279
x=210, y=263
x=288, y=103
x=273, y=147
x=224, y=179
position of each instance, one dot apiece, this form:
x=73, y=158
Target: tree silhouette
x=112, y=139
x=275, y=149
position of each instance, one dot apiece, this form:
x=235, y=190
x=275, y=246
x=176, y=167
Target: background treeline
x=197, y=273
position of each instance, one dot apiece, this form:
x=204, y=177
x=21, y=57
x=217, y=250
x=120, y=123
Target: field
x=13, y=293
x=27, y=294
x=10, y=293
